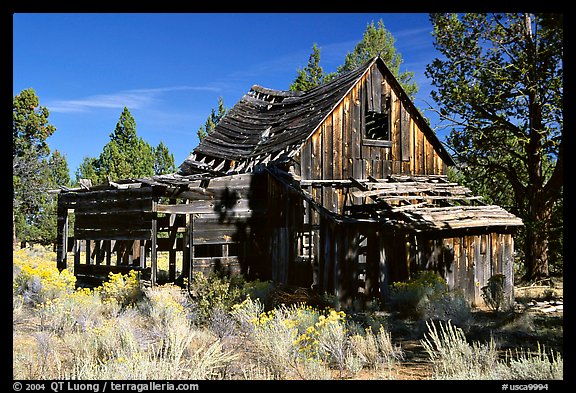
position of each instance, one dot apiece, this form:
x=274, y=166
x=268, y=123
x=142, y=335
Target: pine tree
x=126, y=155
x=213, y=119
x=378, y=41
x=312, y=75
x=30, y=166
x=163, y=160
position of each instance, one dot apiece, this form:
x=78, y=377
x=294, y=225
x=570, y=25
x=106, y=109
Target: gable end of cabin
x=375, y=130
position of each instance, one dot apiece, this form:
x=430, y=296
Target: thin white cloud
x=133, y=99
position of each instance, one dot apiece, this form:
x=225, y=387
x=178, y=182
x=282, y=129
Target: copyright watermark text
x=103, y=386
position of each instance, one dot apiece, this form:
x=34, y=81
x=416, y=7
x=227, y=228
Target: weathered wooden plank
x=377, y=168
x=153, y=254
x=413, y=131
x=122, y=218
x=355, y=131
x=395, y=116
x=219, y=207
x=429, y=157
x=316, y=140
x=104, y=195
x=377, y=143
x=479, y=267
x=337, y=141
x=306, y=160
x=508, y=269
x=386, y=168
x=128, y=205
x=404, y=133
x=376, y=91
x=369, y=96
x=346, y=138
x=327, y=160
x=384, y=260
x=280, y=255
x=112, y=234
x=337, y=255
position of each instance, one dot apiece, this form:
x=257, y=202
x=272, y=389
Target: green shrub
x=410, y=298
x=210, y=291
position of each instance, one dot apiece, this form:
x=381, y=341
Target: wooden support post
x=97, y=252
x=372, y=266
x=190, y=242
x=338, y=246
x=109, y=247
x=130, y=250
x=77, y=247
x=88, y=252
x=62, y=240
x=326, y=258
x=153, y=253
x=142, y=254
x=172, y=252
x=119, y=251
x=384, y=276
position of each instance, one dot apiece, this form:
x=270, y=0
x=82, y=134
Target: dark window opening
x=378, y=125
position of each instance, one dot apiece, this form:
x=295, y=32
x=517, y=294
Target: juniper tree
x=499, y=90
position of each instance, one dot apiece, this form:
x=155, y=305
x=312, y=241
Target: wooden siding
x=339, y=150
x=353, y=268
x=467, y=262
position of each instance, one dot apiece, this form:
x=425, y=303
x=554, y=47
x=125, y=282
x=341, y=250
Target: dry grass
x=123, y=331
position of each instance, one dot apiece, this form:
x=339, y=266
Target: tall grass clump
x=522, y=364
x=273, y=339
x=375, y=350
x=454, y=358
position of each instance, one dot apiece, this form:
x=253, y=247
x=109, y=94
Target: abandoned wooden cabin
x=342, y=189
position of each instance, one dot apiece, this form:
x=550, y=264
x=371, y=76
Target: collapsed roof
x=269, y=126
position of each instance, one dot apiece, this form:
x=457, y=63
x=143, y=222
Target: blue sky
x=169, y=69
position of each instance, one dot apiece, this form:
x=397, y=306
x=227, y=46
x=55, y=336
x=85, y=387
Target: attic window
x=378, y=125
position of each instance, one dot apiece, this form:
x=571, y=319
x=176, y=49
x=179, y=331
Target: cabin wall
x=359, y=262
x=339, y=148
x=465, y=262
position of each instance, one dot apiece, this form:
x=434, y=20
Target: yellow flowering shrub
x=310, y=341
x=304, y=325
x=36, y=277
x=123, y=289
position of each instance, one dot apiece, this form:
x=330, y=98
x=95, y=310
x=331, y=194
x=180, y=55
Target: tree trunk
x=14, y=240
x=536, y=245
